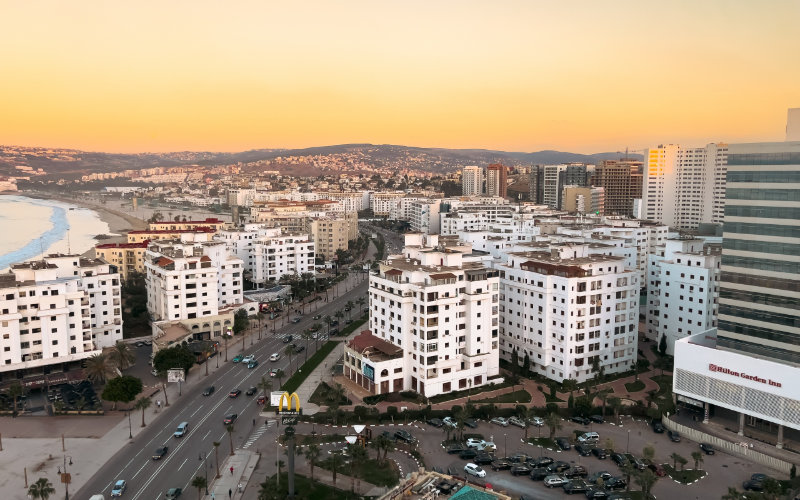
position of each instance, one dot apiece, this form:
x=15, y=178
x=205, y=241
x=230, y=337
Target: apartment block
x=497, y=180
x=126, y=257
x=582, y=200
x=621, y=181
x=213, y=223
x=471, y=180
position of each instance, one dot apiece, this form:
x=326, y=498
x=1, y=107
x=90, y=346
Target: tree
x=609, y=444
x=682, y=461
x=229, y=429
x=553, y=422
x=14, y=392
x=616, y=406
x=264, y=385
x=239, y=321
x=649, y=452
x=358, y=455
x=173, y=357
x=207, y=350
x=662, y=345
x=143, y=404
x=772, y=488
x=526, y=364
x=675, y=459
x=334, y=399
x=200, y=483
x=651, y=397
x=663, y=363
x=628, y=470
x=216, y=455
x=42, y=488
x=279, y=374
x=645, y=479
x=349, y=307
x=98, y=368
x=289, y=351
x=122, y=389
x=514, y=361
x=327, y=320
x=361, y=301
x=698, y=459
x=569, y=385
x=122, y=356
x=312, y=453
x=339, y=315
x=641, y=366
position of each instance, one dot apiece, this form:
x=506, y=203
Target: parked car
x=229, y=419
x=483, y=458
x=596, y=492
x=558, y=466
x=208, y=390
x=581, y=420
x=405, y=436
x=554, y=480
x=487, y=446
x=436, y=422
x=519, y=458
x=583, y=450
x=474, y=470
x=499, y=421
x=474, y=442
x=539, y=474
x=598, y=419
x=251, y=391
x=674, y=436
x=576, y=471
x=658, y=427
x=520, y=470
x=388, y=435
x=657, y=469
x=517, y=422
x=334, y=323
x=501, y=464
x=604, y=475
x=450, y=422
x=160, y=452
x=454, y=449
x=234, y=393
x=238, y=358
x=471, y=423
x=541, y=461
x=751, y=485
x=468, y=454
x=173, y=493
x=600, y=453
x=707, y=448
x=575, y=486
x=563, y=443
x=636, y=462
x=615, y=483
x=536, y=421
x=248, y=358
x=619, y=459
x=119, y=488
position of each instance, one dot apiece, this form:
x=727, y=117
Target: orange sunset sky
x=582, y=76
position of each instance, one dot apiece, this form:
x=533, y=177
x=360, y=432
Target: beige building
x=330, y=234
x=164, y=234
x=213, y=223
x=583, y=200
x=127, y=257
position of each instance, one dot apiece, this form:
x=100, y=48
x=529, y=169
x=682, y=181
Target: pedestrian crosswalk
x=258, y=433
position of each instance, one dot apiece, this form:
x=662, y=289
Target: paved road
x=193, y=454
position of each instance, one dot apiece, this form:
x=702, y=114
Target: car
x=536, y=421
x=119, y=488
x=474, y=442
x=483, y=458
x=299, y=348
x=229, y=419
x=436, y=422
x=148, y=342
x=658, y=427
x=518, y=422
x=287, y=339
x=583, y=450
x=638, y=463
x=674, y=436
x=316, y=317
x=615, y=483
x=252, y=364
x=563, y=443
x=209, y=390
x=238, y=358
x=471, y=423
x=539, y=473
x=707, y=448
x=575, y=486
x=619, y=459
x=140, y=344
x=173, y=493
x=487, y=446
x=182, y=429
x=234, y=393
x=751, y=485
x=474, y=470
x=450, y=422
x=273, y=372
x=604, y=475
x=558, y=466
x=554, y=480
x=261, y=400
x=598, y=419
x=576, y=471
x=334, y=331
x=499, y=421
x=334, y=323
x=657, y=469
x=596, y=492
x=519, y=458
x=454, y=449
x=348, y=321
x=248, y=358
x=251, y=391
x=580, y=420
x=520, y=470
x=541, y=461
x=297, y=319
x=501, y=464
x=468, y=454
x=405, y=436
x=758, y=476
x=600, y=453
x=160, y=452
x=275, y=356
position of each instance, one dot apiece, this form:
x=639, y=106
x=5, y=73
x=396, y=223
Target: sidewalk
x=244, y=463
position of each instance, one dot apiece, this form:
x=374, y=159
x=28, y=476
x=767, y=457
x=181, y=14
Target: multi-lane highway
x=193, y=454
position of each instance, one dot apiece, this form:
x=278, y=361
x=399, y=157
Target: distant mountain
x=348, y=156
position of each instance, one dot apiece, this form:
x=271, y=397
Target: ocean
x=32, y=228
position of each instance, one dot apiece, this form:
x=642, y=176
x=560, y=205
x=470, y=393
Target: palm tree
x=616, y=406
x=279, y=374
x=387, y=445
x=334, y=399
x=525, y=413
x=651, y=397
x=14, y=392
x=349, y=307
x=569, y=385
x=361, y=301
x=42, y=488
x=649, y=452
x=306, y=335
x=229, y=428
x=200, y=483
x=121, y=356
x=675, y=459
x=289, y=351
x=264, y=385
x=357, y=457
x=645, y=479
x=553, y=422
x=143, y=404
x=312, y=453
x=97, y=368
x=339, y=315
x=261, y=316
x=216, y=455
x=207, y=350
x=698, y=459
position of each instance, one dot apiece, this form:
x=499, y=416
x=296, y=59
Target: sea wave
x=56, y=232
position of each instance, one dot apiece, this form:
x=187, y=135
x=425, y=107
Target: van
x=589, y=437
x=182, y=429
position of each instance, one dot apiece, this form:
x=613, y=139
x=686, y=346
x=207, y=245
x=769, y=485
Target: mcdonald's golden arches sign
x=287, y=399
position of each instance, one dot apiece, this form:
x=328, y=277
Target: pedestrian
x=254, y=422
x=231, y=470
x=212, y=495
x=230, y=493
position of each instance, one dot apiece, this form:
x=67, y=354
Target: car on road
x=287, y=339
x=160, y=452
x=658, y=427
x=474, y=470
x=707, y=448
x=299, y=348
x=182, y=429
x=454, y=449
x=275, y=356
x=316, y=317
x=234, y=393
x=251, y=391
x=334, y=323
x=554, y=480
x=501, y=464
x=208, y=390
x=238, y=358
x=583, y=450
x=619, y=459
x=248, y=358
x=674, y=436
x=580, y=420
x=262, y=400
x=450, y=422
x=536, y=421
x=541, y=462
x=598, y=419
x=600, y=453
x=499, y=421
x=273, y=372
x=575, y=486
x=520, y=470
x=468, y=454
x=435, y=422
x=563, y=443
x=297, y=319
x=474, y=442
x=119, y=488
x=518, y=422
x=173, y=493
x=471, y=423
x=229, y=419
x=483, y=458
x=539, y=473
x=405, y=436
x=252, y=364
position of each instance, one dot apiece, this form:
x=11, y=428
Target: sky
x=580, y=76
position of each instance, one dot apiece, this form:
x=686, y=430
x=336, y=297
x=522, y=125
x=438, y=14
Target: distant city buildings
x=472, y=181
x=497, y=180
x=621, y=181
x=582, y=200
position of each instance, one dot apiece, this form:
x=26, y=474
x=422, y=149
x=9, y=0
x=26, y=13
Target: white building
x=564, y=308
x=59, y=310
x=684, y=187
x=382, y=202
x=471, y=180
x=684, y=289
x=439, y=304
x=192, y=277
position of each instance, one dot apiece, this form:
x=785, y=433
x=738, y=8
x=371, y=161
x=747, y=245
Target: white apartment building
x=553, y=183
x=565, y=307
x=425, y=216
x=349, y=201
x=192, y=277
x=56, y=311
x=440, y=305
x=382, y=202
x=471, y=180
x=682, y=298
x=684, y=187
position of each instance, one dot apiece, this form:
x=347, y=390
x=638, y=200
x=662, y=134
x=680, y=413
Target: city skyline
x=516, y=76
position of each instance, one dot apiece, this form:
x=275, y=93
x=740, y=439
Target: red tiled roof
x=142, y=244
x=366, y=340
x=163, y=231
x=443, y=276
x=393, y=272
x=163, y=261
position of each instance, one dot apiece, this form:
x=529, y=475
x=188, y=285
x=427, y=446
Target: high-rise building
x=497, y=180
x=576, y=174
x=536, y=184
x=471, y=180
x=621, y=181
x=684, y=187
x=553, y=185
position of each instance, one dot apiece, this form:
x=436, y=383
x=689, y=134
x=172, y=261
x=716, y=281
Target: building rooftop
x=373, y=347
x=201, y=229
x=142, y=244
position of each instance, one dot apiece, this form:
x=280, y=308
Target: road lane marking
x=207, y=433
x=184, y=463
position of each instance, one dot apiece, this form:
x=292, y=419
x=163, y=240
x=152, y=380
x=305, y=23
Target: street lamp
x=505, y=444
x=65, y=477
x=204, y=459
x=130, y=429
x=627, y=445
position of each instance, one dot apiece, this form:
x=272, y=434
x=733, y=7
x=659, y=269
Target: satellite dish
x=358, y=428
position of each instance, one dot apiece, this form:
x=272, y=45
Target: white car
x=537, y=421
x=449, y=422
x=500, y=421
x=517, y=422
x=487, y=446
x=275, y=357
x=474, y=470
x=475, y=442
x=248, y=359
x=555, y=480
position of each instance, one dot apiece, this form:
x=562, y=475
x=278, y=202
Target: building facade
x=471, y=180
x=582, y=200
x=622, y=183
x=497, y=180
